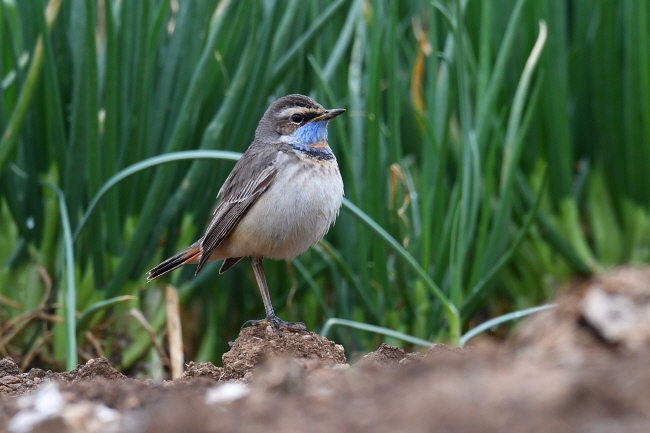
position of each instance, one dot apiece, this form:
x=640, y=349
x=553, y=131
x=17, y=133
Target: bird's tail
x=188, y=255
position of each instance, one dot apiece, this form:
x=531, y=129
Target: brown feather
x=236, y=200
x=228, y=263
x=188, y=255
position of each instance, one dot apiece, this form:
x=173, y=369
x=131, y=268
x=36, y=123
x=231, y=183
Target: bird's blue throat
x=305, y=137
x=310, y=133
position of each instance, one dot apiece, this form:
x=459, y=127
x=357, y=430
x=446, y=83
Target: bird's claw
x=278, y=324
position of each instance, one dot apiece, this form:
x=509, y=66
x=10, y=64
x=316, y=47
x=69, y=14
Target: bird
x=281, y=197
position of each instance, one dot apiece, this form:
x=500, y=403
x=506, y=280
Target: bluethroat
x=281, y=197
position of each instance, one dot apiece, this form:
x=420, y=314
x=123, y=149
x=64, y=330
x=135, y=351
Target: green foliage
x=485, y=159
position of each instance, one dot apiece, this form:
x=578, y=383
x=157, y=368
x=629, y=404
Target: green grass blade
x=374, y=329
x=71, y=290
x=148, y=163
x=450, y=309
x=89, y=313
x=515, y=315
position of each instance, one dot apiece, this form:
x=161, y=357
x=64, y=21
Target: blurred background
x=492, y=151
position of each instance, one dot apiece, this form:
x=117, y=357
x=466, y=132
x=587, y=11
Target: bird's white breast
x=295, y=211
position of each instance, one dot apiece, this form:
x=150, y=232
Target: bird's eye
x=296, y=118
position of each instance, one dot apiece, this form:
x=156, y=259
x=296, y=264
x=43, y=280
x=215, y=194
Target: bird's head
x=299, y=121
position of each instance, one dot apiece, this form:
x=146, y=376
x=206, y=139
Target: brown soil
x=583, y=367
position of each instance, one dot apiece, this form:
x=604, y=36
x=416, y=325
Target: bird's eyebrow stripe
x=309, y=113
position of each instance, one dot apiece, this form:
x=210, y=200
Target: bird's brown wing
x=246, y=183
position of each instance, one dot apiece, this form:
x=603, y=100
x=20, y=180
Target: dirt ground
x=582, y=367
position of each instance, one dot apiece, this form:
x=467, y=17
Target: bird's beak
x=329, y=114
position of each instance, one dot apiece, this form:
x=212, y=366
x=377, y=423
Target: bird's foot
x=278, y=324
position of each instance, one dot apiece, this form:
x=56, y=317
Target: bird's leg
x=275, y=322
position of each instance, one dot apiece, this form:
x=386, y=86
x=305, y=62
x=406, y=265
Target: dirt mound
x=580, y=367
x=257, y=343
